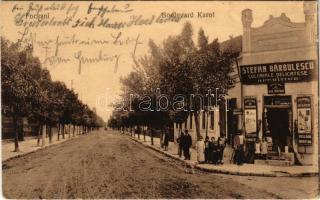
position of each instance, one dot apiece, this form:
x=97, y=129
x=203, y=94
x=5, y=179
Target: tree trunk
x=207, y=123
x=144, y=134
x=151, y=134
x=196, y=120
x=16, y=134
x=50, y=134
x=74, y=129
x=39, y=134
x=47, y=131
x=161, y=138
x=20, y=130
x=44, y=135
x=69, y=130
x=62, y=131
x=58, y=131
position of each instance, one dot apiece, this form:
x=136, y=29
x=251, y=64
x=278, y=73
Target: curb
x=224, y=171
x=188, y=164
x=35, y=150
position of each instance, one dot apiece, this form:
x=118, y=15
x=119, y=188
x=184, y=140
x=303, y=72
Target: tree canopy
x=28, y=91
x=179, y=67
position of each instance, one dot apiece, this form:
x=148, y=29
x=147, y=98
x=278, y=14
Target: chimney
x=310, y=9
x=246, y=23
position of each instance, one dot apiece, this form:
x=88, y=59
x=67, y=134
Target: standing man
x=187, y=145
x=180, y=142
x=239, y=148
x=166, y=140
x=222, y=144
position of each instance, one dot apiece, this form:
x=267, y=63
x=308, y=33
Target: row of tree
x=28, y=92
x=176, y=66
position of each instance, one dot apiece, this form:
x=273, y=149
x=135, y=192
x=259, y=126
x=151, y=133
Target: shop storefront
x=279, y=76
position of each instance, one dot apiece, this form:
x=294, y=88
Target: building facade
x=276, y=92
x=279, y=78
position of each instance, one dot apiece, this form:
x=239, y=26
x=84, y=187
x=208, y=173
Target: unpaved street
x=106, y=164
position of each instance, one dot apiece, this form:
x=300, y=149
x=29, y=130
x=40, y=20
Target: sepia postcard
x=159, y=99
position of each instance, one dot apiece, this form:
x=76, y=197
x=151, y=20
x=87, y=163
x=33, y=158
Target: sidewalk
x=29, y=145
x=227, y=167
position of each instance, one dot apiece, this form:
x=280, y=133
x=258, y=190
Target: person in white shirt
x=257, y=147
x=200, y=151
x=264, y=148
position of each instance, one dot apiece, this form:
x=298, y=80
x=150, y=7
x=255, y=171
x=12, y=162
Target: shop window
x=190, y=120
x=212, y=120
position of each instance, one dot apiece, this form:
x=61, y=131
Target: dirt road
x=110, y=165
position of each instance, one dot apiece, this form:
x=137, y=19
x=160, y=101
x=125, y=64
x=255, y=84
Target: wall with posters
x=279, y=58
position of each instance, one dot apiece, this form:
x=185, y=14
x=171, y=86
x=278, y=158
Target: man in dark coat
x=180, y=142
x=238, y=143
x=187, y=142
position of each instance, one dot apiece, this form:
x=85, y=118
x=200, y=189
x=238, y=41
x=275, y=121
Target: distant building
x=25, y=128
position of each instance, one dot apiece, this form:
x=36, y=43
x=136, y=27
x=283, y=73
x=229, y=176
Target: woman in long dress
x=200, y=150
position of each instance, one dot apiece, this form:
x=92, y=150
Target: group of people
x=251, y=151
x=211, y=151
x=261, y=149
x=208, y=151
x=185, y=142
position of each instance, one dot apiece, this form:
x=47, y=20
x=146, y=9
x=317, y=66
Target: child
x=264, y=148
x=206, y=150
x=215, y=151
x=257, y=152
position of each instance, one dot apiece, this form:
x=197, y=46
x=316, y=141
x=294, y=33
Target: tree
x=19, y=90
x=177, y=66
x=28, y=91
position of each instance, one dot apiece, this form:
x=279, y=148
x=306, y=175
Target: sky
x=104, y=54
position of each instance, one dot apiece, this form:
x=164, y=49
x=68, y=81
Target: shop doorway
x=278, y=121
x=278, y=118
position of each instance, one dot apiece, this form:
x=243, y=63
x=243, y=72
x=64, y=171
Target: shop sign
x=303, y=102
x=304, y=120
x=250, y=114
x=296, y=71
x=251, y=137
x=276, y=88
x=305, y=139
x=250, y=103
x=277, y=100
x=237, y=112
